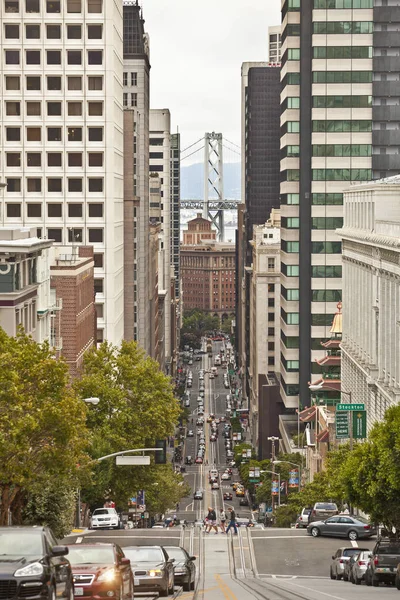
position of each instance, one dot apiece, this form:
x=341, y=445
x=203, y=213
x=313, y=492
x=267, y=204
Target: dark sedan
x=344, y=526
x=184, y=568
x=101, y=570
x=33, y=565
x=152, y=569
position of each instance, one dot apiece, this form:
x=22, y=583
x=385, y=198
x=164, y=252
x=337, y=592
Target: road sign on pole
x=359, y=406
x=342, y=425
x=359, y=423
x=132, y=460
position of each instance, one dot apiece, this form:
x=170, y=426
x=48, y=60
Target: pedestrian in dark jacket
x=211, y=520
x=232, y=521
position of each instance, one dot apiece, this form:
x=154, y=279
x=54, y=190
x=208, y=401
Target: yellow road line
x=225, y=589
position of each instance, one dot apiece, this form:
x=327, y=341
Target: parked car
x=188, y=460
x=322, y=510
x=104, y=518
x=345, y=526
x=101, y=570
x=34, y=565
x=339, y=560
x=359, y=567
x=302, y=520
x=383, y=564
x=152, y=569
x=184, y=567
x=190, y=433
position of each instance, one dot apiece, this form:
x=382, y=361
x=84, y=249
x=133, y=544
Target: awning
x=323, y=436
x=308, y=414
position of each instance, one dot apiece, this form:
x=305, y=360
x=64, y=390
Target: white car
x=226, y=477
x=104, y=518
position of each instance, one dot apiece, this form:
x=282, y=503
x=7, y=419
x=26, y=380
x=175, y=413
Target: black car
x=184, y=568
x=33, y=565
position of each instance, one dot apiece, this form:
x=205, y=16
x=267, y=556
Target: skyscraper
x=274, y=44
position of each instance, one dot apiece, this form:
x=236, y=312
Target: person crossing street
x=232, y=521
x=222, y=519
x=211, y=520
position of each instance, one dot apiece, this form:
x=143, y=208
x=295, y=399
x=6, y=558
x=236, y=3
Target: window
x=13, y=109
x=74, y=134
x=134, y=79
x=33, y=109
x=293, y=5
x=13, y=134
x=75, y=185
x=95, y=235
x=95, y=83
x=54, y=134
x=290, y=247
x=13, y=159
x=74, y=159
x=33, y=84
x=95, y=109
x=293, y=102
x=54, y=109
x=95, y=185
x=95, y=32
x=33, y=134
x=322, y=320
x=74, y=32
x=12, y=82
x=13, y=185
x=342, y=101
x=290, y=270
x=342, y=150
x=95, y=134
x=54, y=159
x=290, y=294
x=53, y=57
x=327, y=222
x=98, y=286
x=99, y=311
x=54, y=185
x=271, y=264
x=125, y=79
x=95, y=57
x=344, y=3
x=53, y=6
x=95, y=159
x=342, y=76
x=329, y=198
x=341, y=174
x=32, y=32
x=98, y=260
x=74, y=57
x=34, y=159
x=34, y=185
x=125, y=100
x=340, y=52
x=134, y=99
x=293, y=151
x=55, y=234
x=293, y=126
x=95, y=6
x=75, y=234
x=12, y=57
x=75, y=210
x=34, y=210
x=74, y=6
x=294, y=54
x=54, y=84
x=54, y=210
x=326, y=295
x=95, y=210
x=326, y=271
x=290, y=318
x=343, y=27
x=53, y=32
x=32, y=57
x=75, y=109
x=342, y=126
x=289, y=341
x=13, y=210
x=11, y=6
x=74, y=84
x=11, y=32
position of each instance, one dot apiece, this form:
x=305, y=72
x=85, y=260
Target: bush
x=285, y=516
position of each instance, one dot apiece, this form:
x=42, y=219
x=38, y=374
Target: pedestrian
x=211, y=520
x=232, y=522
x=222, y=519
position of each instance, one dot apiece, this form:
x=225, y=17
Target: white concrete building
x=61, y=133
x=274, y=44
x=371, y=295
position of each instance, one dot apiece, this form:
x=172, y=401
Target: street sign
x=359, y=406
x=360, y=424
x=132, y=460
x=275, y=487
x=342, y=425
x=293, y=478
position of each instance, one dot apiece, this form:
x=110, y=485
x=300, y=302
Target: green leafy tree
x=195, y=325
x=52, y=504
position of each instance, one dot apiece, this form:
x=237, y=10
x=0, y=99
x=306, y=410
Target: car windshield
x=325, y=506
x=137, y=555
x=176, y=553
x=21, y=544
x=102, y=511
x=350, y=551
x=89, y=555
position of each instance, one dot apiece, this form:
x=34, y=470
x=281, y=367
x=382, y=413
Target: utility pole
x=273, y=439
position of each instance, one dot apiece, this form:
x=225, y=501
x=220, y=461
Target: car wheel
x=192, y=585
x=345, y=577
x=357, y=580
x=332, y=575
x=397, y=582
x=338, y=577
x=315, y=532
x=375, y=581
x=186, y=586
x=367, y=579
x=353, y=535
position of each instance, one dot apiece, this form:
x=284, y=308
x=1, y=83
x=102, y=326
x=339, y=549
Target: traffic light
x=161, y=456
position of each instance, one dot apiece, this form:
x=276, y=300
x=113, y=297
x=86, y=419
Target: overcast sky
x=196, y=51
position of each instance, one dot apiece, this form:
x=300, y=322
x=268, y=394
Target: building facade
x=274, y=44
x=61, y=149
x=198, y=230
x=371, y=295
x=176, y=208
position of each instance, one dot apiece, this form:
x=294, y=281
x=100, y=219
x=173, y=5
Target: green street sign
x=350, y=407
x=360, y=424
x=342, y=425
x=254, y=480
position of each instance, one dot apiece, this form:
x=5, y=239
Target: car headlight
x=107, y=576
x=32, y=569
x=155, y=573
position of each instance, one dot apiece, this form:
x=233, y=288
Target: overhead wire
x=191, y=145
x=191, y=154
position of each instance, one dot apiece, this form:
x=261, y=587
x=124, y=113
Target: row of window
x=53, y=6
x=341, y=150
x=53, y=57
x=342, y=76
x=342, y=101
x=342, y=52
x=341, y=174
x=132, y=79
x=53, y=109
x=341, y=126
x=130, y=99
x=316, y=222
x=54, y=159
x=318, y=271
x=53, y=83
x=95, y=185
x=316, y=247
x=343, y=4
x=317, y=320
x=338, y=27
x=54, y=134
x=53, y=32
x=55, y=210
x=290, y=366
x=318, y=199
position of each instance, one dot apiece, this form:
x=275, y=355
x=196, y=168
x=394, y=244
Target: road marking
x=281, y=537
x=303, y=587
x=227, y=592
x=79, y=540
x=354, y=543
x=135, y=537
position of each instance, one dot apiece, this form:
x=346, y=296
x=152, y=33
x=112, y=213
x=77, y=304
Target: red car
x=199, y=460
x=227, y=496
x=99, y=571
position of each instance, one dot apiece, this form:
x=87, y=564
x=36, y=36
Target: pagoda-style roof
x=308, y=414
x=323, y=436
x=329, y=383
x=329, y=361
x=332, y=344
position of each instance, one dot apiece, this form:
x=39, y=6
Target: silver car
x=357, y=574
x=339, y=560
x=345, y=526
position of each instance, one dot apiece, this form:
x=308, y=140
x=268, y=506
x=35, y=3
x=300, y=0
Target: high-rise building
x=339, y=124
x=274, y=44
x=175, y=208
x=61, y=150
x=136, y=99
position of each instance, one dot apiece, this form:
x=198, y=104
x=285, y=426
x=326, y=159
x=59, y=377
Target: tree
x=43, y=431
x=195, y=325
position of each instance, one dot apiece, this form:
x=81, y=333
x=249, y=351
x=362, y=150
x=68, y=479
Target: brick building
x=199, y=229
x=74, y=325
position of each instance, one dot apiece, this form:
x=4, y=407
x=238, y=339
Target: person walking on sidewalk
x=212, y=520
x=232, y=521
x=222, y=519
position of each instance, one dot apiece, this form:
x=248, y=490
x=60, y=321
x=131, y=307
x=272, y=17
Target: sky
x=196, y=52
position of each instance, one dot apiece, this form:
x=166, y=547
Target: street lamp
x=278, y=462
x=93, y=400
x=320, y=387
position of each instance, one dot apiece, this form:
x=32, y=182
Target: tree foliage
x=195, y=325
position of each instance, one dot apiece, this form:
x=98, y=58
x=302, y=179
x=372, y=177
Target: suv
x=104, y=518
x=322, y=511
x=383, y=563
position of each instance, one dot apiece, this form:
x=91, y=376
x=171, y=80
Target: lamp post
x=320, y=387
x=279, y=484
x=278, y=462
